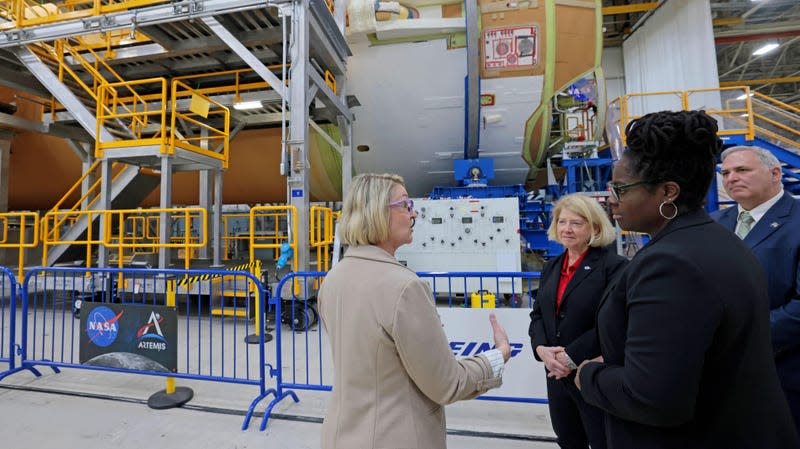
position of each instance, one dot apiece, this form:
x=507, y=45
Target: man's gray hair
x=767, y=159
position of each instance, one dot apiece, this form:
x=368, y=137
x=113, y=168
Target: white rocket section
x=412, y=113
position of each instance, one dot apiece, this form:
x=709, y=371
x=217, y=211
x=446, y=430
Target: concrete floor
x=80, y=408
x=93, y=409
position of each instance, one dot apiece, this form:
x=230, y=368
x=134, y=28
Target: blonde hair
x=365, y=212
x=588, y=209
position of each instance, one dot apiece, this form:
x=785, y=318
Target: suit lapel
x=550, y=288
x=775, y=218
x=589, y=264
x=728, y=218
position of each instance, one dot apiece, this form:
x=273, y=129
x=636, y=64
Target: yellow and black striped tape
x=205, y=277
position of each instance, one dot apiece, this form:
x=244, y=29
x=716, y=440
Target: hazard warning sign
x=510, y=48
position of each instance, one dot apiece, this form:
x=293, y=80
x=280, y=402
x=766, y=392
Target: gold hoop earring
x=661, y=209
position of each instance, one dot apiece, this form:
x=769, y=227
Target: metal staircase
x=776, y=127
x=122, y=118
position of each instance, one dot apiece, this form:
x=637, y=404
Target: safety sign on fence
x=129, y=336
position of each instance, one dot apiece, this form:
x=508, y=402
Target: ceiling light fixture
x=743, y=96
x=245, y=105
x=765, y=49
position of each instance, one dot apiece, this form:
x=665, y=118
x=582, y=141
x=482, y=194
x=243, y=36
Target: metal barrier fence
x=310, y=366
x=8, y=319
x=60, y=307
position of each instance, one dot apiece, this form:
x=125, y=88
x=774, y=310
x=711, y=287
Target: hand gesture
x=500, y=338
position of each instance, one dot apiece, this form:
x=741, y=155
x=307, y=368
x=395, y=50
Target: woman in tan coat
x=393, y=367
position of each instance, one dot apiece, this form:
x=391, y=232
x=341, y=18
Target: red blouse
x=567, y=271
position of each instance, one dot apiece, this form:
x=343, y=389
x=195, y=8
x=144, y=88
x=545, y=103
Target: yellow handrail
x=291, y=212
x=52, y=236
x=781, y=104
x=21, y=244
x=29, y=12
x=180, y=90
x=229, y=238
x=186, y=242
x=321, y=234
x=89, y=203
x=685, y=105
x=109, y=103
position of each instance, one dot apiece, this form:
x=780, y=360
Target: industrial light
x=245, y=105
x=765, y=49
x=743, y=96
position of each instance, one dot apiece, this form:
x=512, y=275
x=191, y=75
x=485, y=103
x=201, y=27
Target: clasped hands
x=555, y=359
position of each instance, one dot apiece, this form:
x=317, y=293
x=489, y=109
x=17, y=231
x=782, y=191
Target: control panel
x=466, y=235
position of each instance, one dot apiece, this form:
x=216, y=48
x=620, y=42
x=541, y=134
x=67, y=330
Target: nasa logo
x=152, y=331
x=102, y=326
x=469, y=348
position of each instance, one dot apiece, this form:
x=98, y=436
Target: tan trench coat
x=393, y=366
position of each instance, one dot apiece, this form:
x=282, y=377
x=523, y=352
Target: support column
x=346, y=131
x=473, y=81
x=205, y=203
x=205, y=196
x=104, y=204
x=217, y=221
x=5, y=160
x=297, y=182
x=86, y=154
x=164, y=226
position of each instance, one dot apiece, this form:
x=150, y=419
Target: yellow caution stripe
x=205, y=277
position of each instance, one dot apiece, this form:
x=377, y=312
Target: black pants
x=577, y=424
x=793, y=397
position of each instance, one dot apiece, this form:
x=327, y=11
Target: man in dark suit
x=768, y=221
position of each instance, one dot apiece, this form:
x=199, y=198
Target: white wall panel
x=673, y=50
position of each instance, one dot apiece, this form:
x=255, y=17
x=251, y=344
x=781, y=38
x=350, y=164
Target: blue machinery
x=582, y=175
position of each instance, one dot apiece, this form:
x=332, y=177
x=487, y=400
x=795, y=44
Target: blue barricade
x=8, y=321
x=212, y=309
x=310, y=366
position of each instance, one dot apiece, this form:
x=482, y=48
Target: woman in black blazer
x=562, y=321
x=684, y=331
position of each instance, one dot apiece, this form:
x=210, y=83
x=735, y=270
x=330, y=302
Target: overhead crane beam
x=783, y=80
x=628, y=9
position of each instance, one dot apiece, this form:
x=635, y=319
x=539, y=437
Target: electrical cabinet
x=466, y=235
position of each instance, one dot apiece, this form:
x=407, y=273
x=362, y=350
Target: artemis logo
x=468, y=348
x=152, y=331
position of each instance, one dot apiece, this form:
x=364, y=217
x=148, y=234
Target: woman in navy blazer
x=562, y=321
x=684, y=331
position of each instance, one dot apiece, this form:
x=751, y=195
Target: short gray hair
x=365, y=212
x=766, y=158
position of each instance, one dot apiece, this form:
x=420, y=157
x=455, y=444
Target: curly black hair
x=675, y=146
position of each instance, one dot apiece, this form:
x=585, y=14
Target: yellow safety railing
x=226, y=81
x=25, y=219
x=32, y=12
x=187, y=241
x=201, y=110
x=687, y=100
x=111, y=106
x=139, y=233
x=231, y=238
x=68, y=217
x=768, y=111
x=291, y=212
x=321, y=234
x=54, y=222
